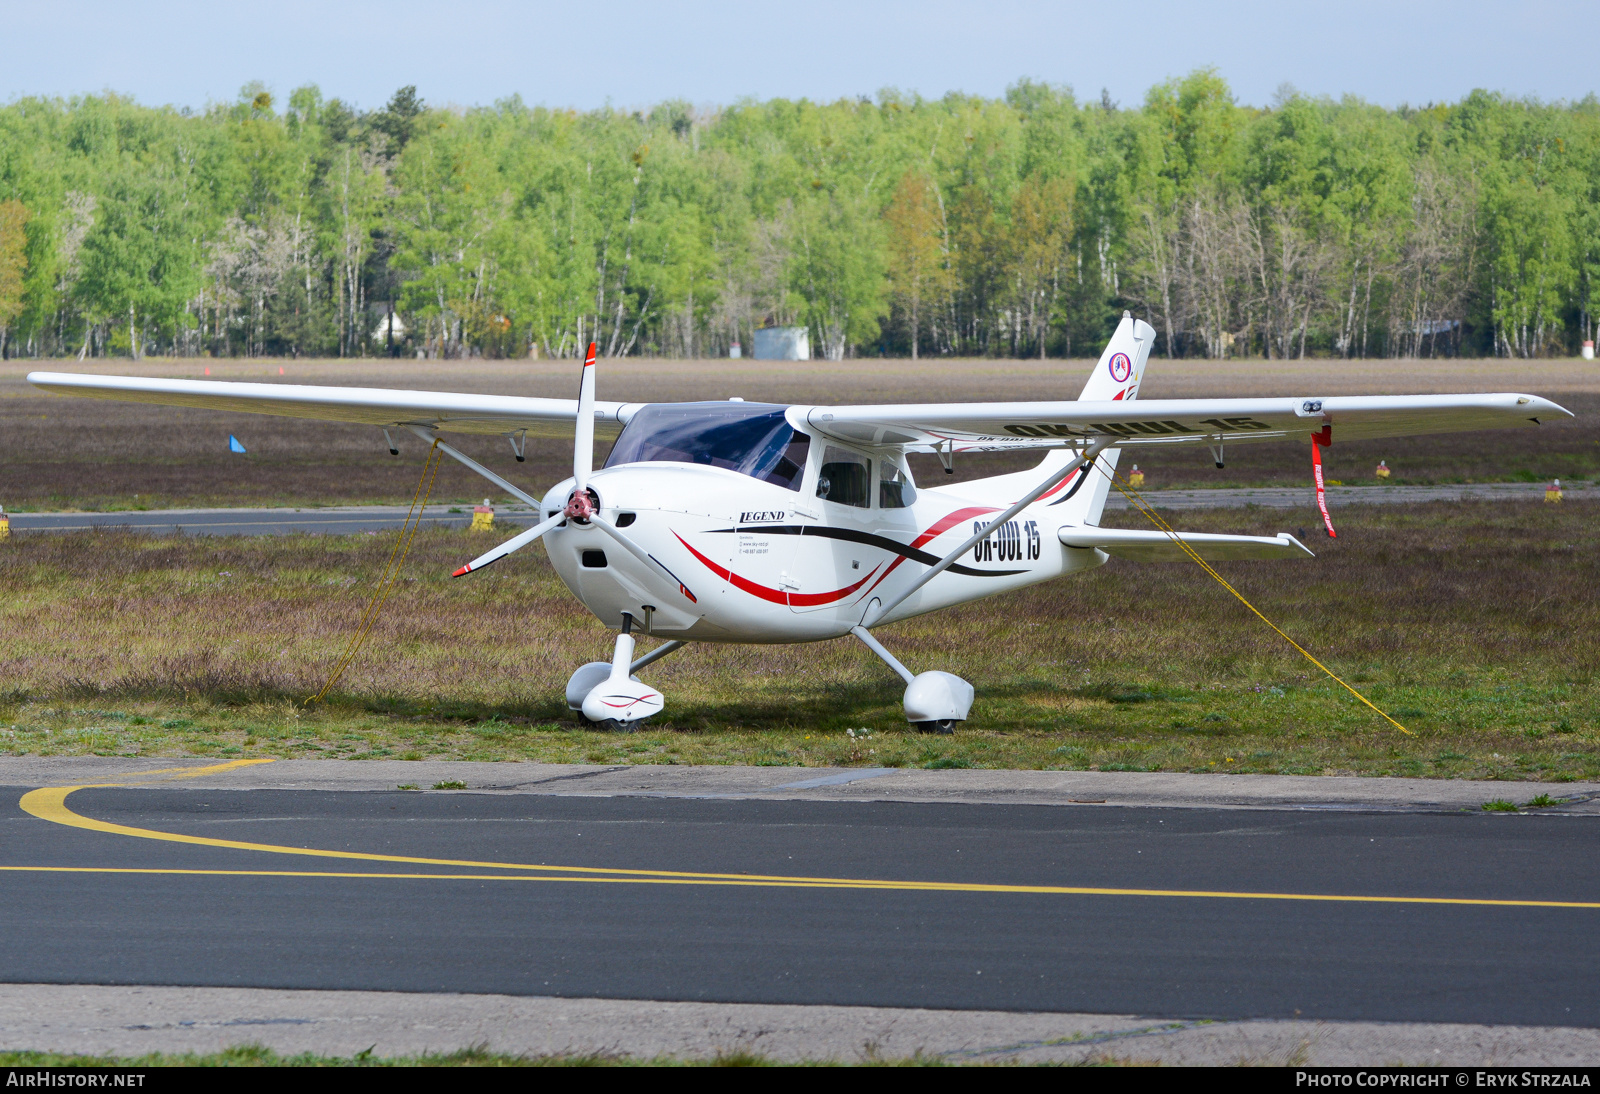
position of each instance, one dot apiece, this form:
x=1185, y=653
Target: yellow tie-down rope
x=1155, y=518
x=391, y=571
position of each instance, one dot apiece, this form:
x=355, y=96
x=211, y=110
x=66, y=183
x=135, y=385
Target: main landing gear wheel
x=609, y=725
x=936, y=701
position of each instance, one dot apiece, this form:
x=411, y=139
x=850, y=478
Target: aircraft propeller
x=582, y=505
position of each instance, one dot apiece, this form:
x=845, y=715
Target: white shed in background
x=381, y=333
x=783, y=344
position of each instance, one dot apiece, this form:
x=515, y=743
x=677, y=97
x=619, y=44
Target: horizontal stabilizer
x=1155, y=546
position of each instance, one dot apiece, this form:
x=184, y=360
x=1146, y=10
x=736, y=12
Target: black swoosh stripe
x=1083, y=477
x=868, y=539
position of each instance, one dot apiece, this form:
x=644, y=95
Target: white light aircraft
x=750, y=522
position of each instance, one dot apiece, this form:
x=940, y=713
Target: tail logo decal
x=1121, y=367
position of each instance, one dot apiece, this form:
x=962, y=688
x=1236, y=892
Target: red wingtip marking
x=463, y=570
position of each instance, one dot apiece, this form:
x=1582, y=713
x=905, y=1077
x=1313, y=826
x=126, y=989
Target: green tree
x=918, y=267
x=1042, y=231
x=13, y=263
x=400, y=120
x=839, y=270
x=140, y=261
x=451, y=215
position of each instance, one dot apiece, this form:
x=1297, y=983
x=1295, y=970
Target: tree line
x=1020, y=226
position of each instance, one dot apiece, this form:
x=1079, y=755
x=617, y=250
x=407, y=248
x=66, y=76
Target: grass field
x=258, y=1056
x=65, y=453
x=1477, y=626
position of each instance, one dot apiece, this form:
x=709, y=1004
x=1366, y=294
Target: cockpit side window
x=782, y=461
x=753, y=439
x=845, y=478
x=895, y=490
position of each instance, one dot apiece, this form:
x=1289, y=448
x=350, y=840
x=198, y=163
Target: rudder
x=1121, y=368
x=1116, y=378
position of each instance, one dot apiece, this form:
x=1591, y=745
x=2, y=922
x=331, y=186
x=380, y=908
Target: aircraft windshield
x=750, y=438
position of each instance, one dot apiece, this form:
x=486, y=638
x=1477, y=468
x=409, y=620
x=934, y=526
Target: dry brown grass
x=63, y=453
x=1477, y=625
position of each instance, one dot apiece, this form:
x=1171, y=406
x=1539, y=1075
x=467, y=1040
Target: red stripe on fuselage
x=936, y=529
x=944, y=524
x=1060, y=486
x=776, y=596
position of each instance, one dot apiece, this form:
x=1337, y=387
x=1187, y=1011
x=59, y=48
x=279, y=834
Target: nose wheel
x=609, y=696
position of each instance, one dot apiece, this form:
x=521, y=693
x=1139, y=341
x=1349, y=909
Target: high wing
x=924, y=426
x=989, y=426
x=442, y=410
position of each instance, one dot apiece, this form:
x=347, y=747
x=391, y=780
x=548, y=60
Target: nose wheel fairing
x=615, y=698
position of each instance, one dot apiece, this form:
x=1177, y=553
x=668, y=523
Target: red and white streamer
x=1316, y=472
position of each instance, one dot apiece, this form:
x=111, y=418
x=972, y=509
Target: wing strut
x=433, y=438
x=1090, y=451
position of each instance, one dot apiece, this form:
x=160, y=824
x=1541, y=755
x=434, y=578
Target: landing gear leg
x=618, y=700
x=934, y=701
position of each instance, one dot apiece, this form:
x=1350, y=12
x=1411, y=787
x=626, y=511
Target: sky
x=634, y=53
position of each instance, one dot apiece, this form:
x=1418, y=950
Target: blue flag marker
x=234, y=445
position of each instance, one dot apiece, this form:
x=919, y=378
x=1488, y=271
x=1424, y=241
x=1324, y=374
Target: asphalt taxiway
x=334, y=520
x=372, y=518
x=1188, y=899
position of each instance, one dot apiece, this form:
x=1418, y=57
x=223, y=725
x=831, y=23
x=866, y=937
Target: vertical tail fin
x=1121, y=367
x=1116, y=377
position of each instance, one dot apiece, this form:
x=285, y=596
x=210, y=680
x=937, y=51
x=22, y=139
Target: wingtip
x=463, y=571
x=1290, y=539
x=1543, y=407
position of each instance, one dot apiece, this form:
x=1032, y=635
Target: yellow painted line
x=177, y=773
x=49, y=803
